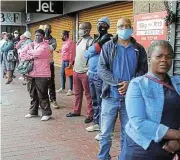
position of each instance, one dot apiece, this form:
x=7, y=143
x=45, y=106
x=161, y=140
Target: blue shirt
x=123, y=66
x=93, y=59
x=144, y=105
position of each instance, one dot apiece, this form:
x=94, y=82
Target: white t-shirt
x=80, y=62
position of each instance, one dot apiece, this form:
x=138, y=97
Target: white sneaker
x=92, y=128
x=30, y=115
x=21, y=78
x=97, y=137
x=69, y=93
x=60, y=90
x=45, y=118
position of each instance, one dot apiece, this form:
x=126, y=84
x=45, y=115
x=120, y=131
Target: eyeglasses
x=123, y=26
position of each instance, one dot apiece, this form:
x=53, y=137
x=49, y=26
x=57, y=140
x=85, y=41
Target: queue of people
x=113, y=73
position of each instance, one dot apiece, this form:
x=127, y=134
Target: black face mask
x=47, y=33
x=101, y=29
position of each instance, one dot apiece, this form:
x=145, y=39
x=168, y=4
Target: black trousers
x=38, y=90
x=52, y=92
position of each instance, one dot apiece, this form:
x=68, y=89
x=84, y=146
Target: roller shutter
x=113, y=11
x=176, y=67
x=58, y=25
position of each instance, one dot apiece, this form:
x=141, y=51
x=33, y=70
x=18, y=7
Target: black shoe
x=88, y=120
x=9, y=81
x=72, y=115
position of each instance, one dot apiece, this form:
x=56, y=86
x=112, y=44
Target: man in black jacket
x=95, y=83
x=52, y=45
x=121, y=59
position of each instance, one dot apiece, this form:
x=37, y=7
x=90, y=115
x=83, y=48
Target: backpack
x=10, y=56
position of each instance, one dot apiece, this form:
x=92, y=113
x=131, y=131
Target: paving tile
x=61, y=138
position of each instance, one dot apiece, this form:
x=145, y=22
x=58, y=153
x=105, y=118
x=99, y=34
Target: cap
x=105, y=20
x=27, y=34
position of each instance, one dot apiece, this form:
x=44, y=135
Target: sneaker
x=69, y=93
x=21, y=78
x=30, y=115
x=92, y=128
x=97, y=137
x=60, y=90
x=45, y=118
x=54, y=104
x=88, y=120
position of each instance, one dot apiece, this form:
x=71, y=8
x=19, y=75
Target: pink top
x=40, y=53
x=68, y=51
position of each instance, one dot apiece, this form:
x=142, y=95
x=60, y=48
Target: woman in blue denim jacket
x=153, y=108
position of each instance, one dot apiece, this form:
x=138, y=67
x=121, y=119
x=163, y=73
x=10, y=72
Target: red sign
x=150, y=27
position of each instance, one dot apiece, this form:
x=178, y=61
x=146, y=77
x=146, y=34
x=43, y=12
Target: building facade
x=75, y=12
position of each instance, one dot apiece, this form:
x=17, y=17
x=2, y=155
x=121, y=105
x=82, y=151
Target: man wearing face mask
x=80, y=77
x=52, y=44
x=121, y=60
x=68, y=54
x=16, y=38
x=95, y=83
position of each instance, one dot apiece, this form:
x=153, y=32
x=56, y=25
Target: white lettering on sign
x=10, y=18
x=45, y=7
x=150, y=24
x=149, y=32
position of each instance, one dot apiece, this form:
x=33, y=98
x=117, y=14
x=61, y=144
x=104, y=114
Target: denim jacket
x=105, y=64
x=144, y=105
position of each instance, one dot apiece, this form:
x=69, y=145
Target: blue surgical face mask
x=124, y=34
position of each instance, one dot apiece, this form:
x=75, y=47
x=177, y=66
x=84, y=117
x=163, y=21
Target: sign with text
x=150, y=27
x=11, y=18
x=49, y=7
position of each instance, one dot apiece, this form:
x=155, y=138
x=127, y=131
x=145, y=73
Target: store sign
x=11, y=18
x=50, y=7
x=150, y=27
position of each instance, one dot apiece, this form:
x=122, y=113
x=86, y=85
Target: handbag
x=69, y=71
x=10, y=56
x=25, y=67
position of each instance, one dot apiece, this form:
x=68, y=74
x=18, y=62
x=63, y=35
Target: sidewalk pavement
x=60, y=138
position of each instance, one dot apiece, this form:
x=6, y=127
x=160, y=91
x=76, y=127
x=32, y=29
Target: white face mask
x=82, y=33
x=16, y=35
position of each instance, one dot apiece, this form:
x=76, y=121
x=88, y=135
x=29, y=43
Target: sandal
x=72, y=115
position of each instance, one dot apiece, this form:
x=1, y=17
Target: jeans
x=95, y=85
x=109, y=112
x=38, y=90
x=63, y=76
x=80, y=85
x=52, y=92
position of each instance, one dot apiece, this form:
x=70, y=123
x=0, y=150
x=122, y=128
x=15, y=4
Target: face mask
x=15, y=35
x=101, y=29
x=82, y=33
x=47, y=32
x=38, y=39
x=124, y=34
